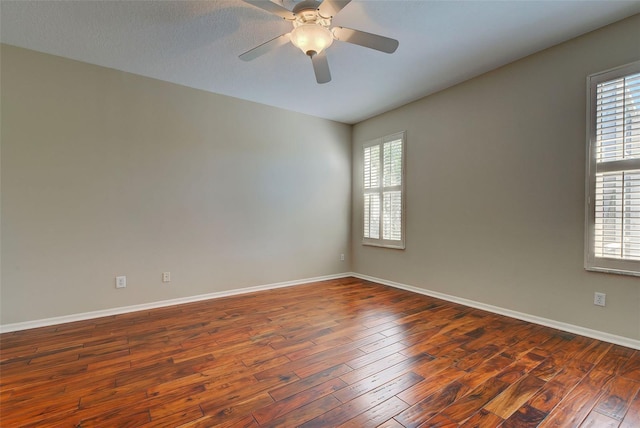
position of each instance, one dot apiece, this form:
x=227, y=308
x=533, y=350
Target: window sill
x=384, y=245
x=611, y=270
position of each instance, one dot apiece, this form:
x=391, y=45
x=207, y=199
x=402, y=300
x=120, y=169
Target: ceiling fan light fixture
x=312, y=32
x=311, y=38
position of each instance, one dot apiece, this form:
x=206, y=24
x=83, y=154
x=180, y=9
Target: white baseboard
x=7, y=328
x=594, y=334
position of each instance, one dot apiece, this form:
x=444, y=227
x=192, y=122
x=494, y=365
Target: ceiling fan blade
x=321, y=67
x=265, y=47
x=330, y=8
x=272, y=8
x=368, y=40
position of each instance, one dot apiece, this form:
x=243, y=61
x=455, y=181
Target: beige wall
x=106, y=173
x=495, y=189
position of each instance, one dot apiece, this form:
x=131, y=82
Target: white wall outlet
x=121, y=281
x=166, y=276
x=341, y=257
x=599, y=299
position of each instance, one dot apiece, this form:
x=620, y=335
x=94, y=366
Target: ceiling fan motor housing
x=306, y=5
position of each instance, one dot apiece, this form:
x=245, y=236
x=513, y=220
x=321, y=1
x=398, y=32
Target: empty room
x=298, y=213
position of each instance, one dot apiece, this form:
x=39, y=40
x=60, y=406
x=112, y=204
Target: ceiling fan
x=312, y=33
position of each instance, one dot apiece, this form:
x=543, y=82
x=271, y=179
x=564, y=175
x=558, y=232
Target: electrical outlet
x=599, y=299
x=121, y=281
x=341, y=257
x=166, y=276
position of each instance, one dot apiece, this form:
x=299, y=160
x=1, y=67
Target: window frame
x=591, y=261
x=380, y=242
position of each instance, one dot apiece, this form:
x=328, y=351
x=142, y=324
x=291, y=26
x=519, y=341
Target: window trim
x=380, y=242
x=591, y=262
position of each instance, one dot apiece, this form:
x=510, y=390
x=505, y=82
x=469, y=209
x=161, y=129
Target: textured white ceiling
x=197, y=43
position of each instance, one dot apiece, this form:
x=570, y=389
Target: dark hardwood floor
x=337, y=353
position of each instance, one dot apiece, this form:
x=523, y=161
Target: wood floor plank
x=431, y=405
x=375, y=355
x=362, y=403
x=631, y=369
x=617, y=397
x=212, y=421
x=466, y=406
x=284, y=406
x=305, y=413
x=547, y=369
x=487, y=370
x=298, y=386
x=596, y=353
x=345, y=352
x=393, y=360
x=476, y=358
x=163, y=405
x=482, y=419
x=514, y=396
x=556, y=389
x=520, y=367
x=439, y=421
x=574, y=348
x=598, y=420
x=632, y=418
x=123, y=419
x=243, y=406
x=384, y=342
x=430, y=385
x=615, y=359
x=525, y=417
x=576, y=405
x=349, y=392
x=22, y=413
x=377, y=415
x=390, y=423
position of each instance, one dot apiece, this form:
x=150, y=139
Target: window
x=384, y=191
x=613, y=171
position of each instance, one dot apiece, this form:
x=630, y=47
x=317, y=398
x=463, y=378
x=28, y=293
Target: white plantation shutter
x=371, y=195
x=392, y=217
x=392, y=163
x=384, y=191
x=613, y=199
x=372, y=215
x=372, y=167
